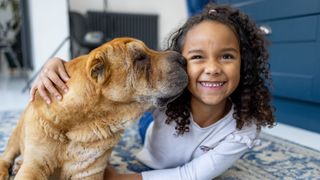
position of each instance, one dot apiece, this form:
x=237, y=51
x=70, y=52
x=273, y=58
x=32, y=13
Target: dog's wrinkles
x=52, y=132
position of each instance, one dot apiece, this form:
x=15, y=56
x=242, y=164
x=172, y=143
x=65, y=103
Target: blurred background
x=32, y=31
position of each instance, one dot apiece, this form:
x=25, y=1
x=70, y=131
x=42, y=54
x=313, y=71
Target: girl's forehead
x=211, y=25
x=210, y=31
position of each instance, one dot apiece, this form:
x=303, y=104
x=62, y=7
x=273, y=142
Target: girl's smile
x=217, y=84
x=211, y=86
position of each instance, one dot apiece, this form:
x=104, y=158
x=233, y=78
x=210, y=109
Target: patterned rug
x=274, y=158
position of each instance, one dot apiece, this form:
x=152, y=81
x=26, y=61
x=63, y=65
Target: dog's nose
x=182, y=60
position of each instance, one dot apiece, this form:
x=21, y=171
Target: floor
x=12, y=83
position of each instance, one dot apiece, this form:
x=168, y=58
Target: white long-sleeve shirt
x=202, y=153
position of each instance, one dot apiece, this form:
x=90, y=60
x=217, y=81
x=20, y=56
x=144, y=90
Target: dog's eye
x=141, y=57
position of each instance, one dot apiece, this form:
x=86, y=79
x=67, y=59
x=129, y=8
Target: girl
x=220, y=114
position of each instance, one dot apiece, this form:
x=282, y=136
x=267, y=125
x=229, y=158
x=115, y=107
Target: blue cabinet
x=294, y=56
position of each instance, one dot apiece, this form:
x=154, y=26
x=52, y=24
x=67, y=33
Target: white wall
x=49, y=25
x=172, y=13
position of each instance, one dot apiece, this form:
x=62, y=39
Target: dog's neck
x=92, y=124
x=110, y=124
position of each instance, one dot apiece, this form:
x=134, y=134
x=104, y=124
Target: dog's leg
x=101, y=164
x=32, y=171
x=12, y=150
x=38, y=163
x=94, y=171
x=4, y=172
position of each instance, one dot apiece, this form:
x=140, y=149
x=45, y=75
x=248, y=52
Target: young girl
x=220, y=114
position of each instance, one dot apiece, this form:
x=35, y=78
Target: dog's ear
x=98, y=68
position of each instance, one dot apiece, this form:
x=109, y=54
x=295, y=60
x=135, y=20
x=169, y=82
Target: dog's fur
x=111, y=86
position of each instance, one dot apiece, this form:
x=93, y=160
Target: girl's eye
x=228, y=57
x=196, y=57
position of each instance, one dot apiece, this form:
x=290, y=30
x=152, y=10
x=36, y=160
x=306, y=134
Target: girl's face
x=213, y=62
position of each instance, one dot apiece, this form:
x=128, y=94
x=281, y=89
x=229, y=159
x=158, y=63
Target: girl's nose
x=213, y=67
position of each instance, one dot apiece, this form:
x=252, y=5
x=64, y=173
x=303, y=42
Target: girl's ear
x=98, y=68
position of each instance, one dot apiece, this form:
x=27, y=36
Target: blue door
x=294, y=56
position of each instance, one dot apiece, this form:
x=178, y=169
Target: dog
x=109, y=88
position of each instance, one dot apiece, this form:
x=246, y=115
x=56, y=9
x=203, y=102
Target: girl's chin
x=211, y=101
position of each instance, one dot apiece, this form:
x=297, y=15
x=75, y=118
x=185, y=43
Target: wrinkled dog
x=111, y=86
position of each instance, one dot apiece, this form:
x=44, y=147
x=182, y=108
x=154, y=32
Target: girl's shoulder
x=247, y=135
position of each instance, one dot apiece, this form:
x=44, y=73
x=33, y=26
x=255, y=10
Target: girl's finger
x=63, y=74
x=51, y=88
x=33, y=92
x=58, y=82
x=43, y=93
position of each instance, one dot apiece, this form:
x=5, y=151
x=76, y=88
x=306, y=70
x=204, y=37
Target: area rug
x=274, y=158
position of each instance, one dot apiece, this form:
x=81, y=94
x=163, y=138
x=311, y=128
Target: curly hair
x=251, y=98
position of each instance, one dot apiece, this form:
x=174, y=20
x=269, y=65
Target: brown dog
x=111, y=86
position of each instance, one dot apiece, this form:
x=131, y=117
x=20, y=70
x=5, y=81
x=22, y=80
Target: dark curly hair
x=251, y=98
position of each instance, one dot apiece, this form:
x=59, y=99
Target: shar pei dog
x=109, y=88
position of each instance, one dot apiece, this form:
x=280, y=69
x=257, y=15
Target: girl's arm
x=207, y=166
x=111, y=174
x=213, y=162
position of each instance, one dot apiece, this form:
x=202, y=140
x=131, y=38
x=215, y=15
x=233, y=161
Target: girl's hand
x=111, y=174
x=52, y=77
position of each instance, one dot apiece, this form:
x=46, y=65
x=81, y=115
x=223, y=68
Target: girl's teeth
x=209, y=84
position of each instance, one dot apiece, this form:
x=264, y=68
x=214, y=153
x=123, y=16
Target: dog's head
x=125, y=70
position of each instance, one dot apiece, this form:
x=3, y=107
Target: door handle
x=265, y=29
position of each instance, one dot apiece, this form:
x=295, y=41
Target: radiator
x=140, y=26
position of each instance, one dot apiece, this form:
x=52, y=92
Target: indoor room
x=227, y=124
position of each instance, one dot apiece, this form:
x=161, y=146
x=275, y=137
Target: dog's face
x=128, y=71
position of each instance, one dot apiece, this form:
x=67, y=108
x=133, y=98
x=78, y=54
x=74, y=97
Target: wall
x=172, y=13
x=49, y=26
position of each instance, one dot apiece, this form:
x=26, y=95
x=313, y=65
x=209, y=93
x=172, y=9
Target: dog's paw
x=16, y=166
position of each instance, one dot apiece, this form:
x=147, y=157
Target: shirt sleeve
x=209, y=165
